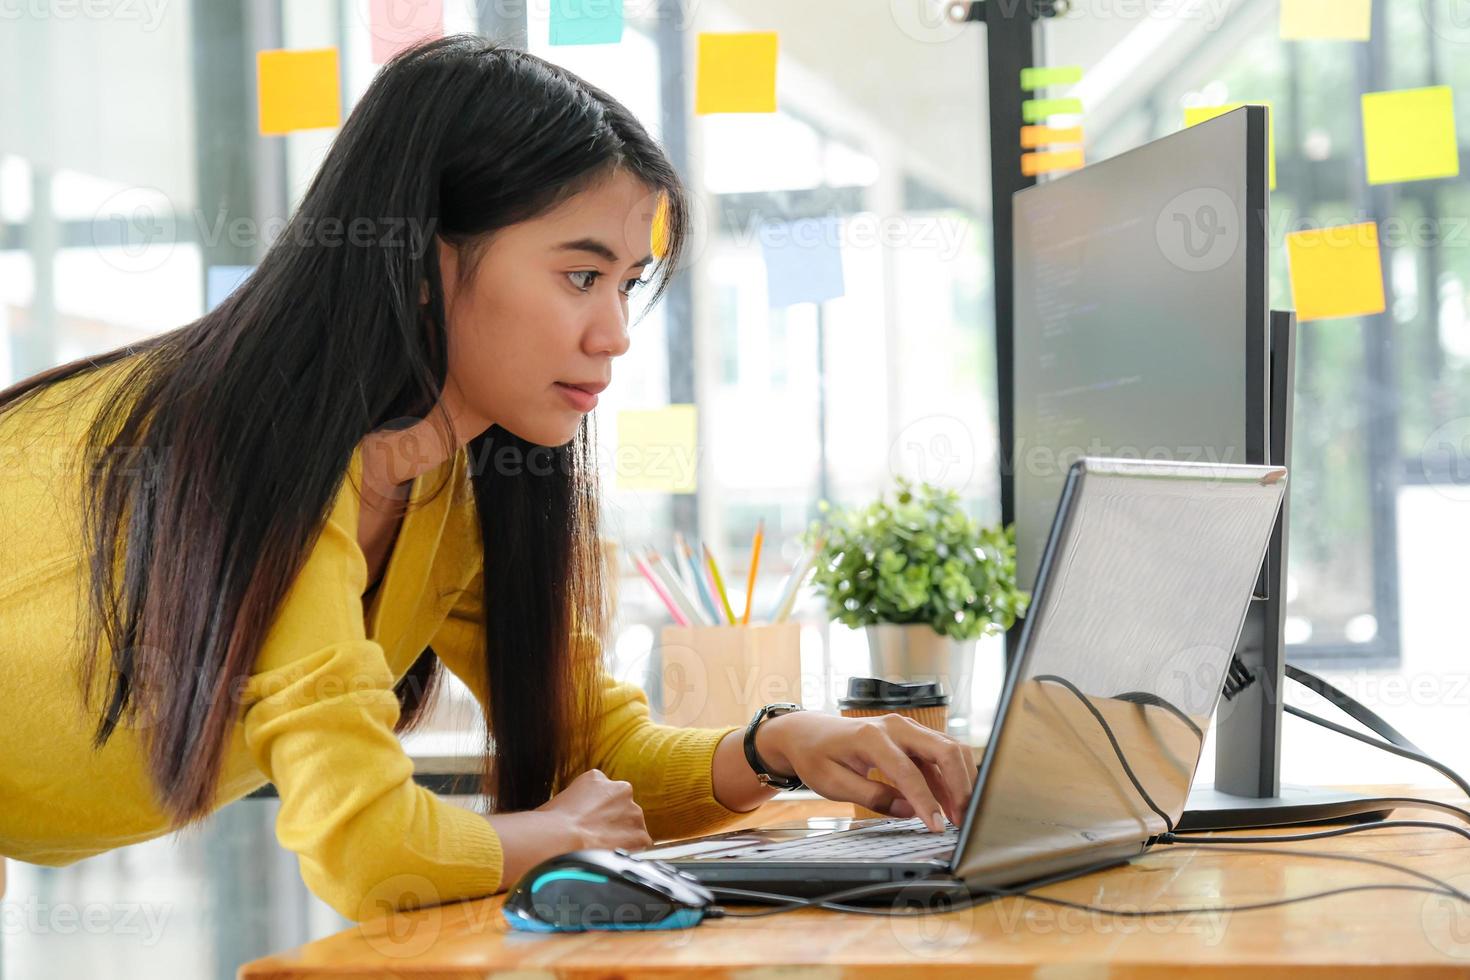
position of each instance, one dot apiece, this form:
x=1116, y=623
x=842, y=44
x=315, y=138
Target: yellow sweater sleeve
x=670, y=768
x=319, y=711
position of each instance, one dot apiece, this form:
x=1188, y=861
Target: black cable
x=978, y=896
x=1351, y=707
x=1117, y=750
x=1147, y=697
x=1416, y=756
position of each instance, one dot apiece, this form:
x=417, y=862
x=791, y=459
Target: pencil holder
x=719, y=675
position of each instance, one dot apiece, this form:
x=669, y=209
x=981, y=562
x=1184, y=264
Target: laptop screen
x=1143, y=589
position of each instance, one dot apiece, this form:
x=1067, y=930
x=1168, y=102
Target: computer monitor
x=1140, y=316
x=1142, y=330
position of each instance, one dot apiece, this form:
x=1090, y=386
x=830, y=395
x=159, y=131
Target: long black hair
x=248, y=418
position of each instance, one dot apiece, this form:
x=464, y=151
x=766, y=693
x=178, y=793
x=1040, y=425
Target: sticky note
x=1334, y=20
x=1194, y=115
x=1034, y=78
x=221, y=280
x=1335, y=271
x=736, y=73
x=1409, y=134
x=1034, y=136
x=297, y=90
x=586, y=21
x=1047, y=161
x=657, y=449
x=398, y=24
x=803, y=260
x=1035, y=110
x=660, y=232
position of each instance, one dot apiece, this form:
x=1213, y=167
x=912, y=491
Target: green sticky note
x=1410, y=135
x=586, y=22
x=1035, y=110
x=1195, y=115
x=1035, y=78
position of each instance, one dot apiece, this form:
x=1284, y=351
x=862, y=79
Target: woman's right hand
x=592, y=812
x=601, y=812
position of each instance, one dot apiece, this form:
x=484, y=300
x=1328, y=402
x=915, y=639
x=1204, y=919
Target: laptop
x=1143, y=588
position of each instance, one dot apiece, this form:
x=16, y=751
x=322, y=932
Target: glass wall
x=134, y=183
x=1379, y=518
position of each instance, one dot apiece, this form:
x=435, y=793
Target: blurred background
x=129, y=148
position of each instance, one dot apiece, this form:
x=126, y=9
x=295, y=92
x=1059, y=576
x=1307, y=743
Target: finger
x=949, y=756
x=841, y=783
x=897, y=766
x=953, y=808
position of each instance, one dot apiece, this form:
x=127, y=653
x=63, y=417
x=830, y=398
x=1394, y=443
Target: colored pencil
x=714, y=571
x=663, y=594
x=755, y=560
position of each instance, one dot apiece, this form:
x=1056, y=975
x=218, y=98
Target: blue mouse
x=597, y=889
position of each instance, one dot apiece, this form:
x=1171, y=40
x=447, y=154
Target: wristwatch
x=766, y=777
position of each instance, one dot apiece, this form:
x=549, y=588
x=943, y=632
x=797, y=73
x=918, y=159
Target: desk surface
x=1371, y=933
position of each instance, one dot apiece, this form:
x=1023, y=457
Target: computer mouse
x=599, y=889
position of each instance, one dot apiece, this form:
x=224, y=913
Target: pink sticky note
x=396, y=24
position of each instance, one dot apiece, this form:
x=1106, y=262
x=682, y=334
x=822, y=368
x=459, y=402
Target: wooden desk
x=1367, y=934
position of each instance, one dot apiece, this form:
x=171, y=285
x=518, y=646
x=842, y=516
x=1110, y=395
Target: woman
x=241, y=550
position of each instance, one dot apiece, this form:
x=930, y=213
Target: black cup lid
x=874, y=692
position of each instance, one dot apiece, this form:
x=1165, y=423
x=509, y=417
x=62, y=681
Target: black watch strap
x=761, y=771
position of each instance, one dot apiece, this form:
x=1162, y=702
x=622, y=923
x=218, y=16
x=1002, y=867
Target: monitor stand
x=1248, y=790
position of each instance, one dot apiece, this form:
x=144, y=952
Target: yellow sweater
x=318, y=712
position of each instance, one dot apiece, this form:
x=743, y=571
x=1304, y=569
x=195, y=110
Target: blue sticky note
x=221, y=281
x=803, y=260
x=586, y=21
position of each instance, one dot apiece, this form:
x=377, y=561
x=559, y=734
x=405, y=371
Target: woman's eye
x=593, y=275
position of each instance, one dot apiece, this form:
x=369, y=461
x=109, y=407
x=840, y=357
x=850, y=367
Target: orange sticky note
x=1194, y=115
x=1335, y=20
x=736, y=73
x=1335, y=271
x=660, y=234
x=1048, y=161
x=1034, y=136
x=1409, y=134
x=298, y=90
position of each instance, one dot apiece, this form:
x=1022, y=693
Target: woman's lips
x=582, y=401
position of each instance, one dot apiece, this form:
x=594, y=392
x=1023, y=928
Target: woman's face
x=545, y=307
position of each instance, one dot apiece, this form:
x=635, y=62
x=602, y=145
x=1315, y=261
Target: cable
x=978, y=896
x=1117, y=750
x=1351, y=707
x=1419, y=757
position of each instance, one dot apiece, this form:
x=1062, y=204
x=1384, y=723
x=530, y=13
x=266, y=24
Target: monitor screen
x=1141, y=322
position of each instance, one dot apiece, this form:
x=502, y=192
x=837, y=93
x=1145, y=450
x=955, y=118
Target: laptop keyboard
x=894, y=840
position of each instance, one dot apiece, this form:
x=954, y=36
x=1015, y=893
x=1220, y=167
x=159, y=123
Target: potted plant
x=923, y=578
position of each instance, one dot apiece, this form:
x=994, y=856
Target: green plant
x=917, y=558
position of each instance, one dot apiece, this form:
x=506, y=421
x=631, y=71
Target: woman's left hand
x=933, y=775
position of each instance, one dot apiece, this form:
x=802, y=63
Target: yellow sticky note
x=736, y=73
x=1333, y=20
x=1195, y=115
x=1410, y=134
x=1045, y=162
x=298, y=90
x=657, y=450
x=1335, y=271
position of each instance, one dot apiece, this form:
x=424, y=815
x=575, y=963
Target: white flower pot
x=915, y=652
